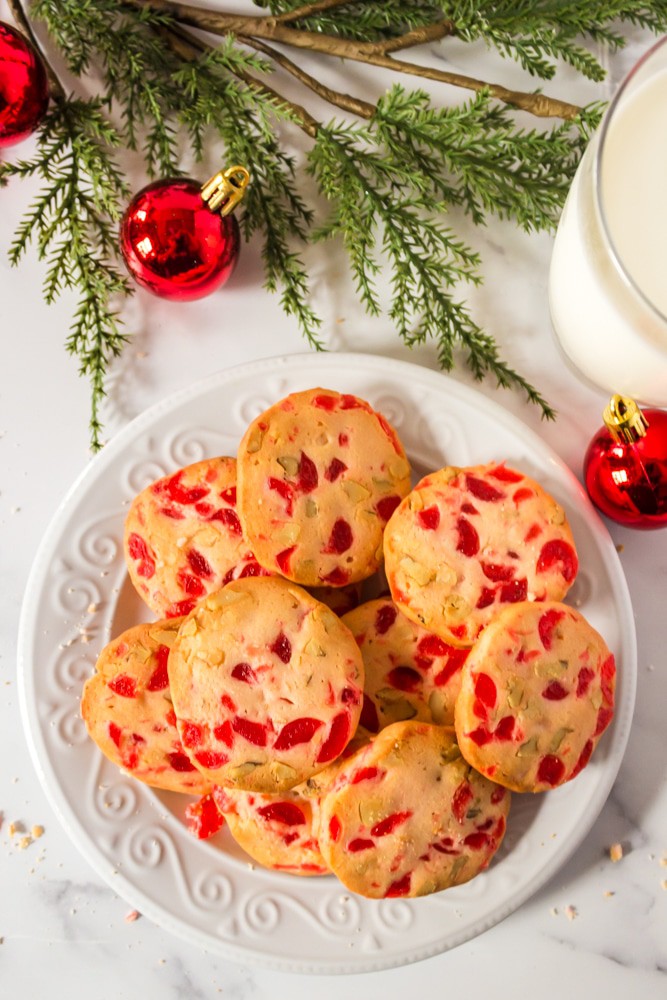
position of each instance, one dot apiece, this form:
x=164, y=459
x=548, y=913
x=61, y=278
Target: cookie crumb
x=132, y=916
x=554, y=911
x=37, y=831
x=620, y=547
x=663, y=861
x=608, y=894
x=615, y=852
x=571, y=912
x=92, y=608
x=24, y=842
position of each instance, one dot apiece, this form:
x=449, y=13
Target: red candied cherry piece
x=337, y=577
x=283, y=490
x=124, y=685
x=359, y=844
x=343, y=439
x=307, y=478
x=287, y=813
x=547, y=626
x=551, y=770
x=468, y=539
x=523, y=494
x=335, y=469
x=386, y=506
x=369, y=716
x=341, y=537
x=476, y=840
x=584, y=758
x=191, y=734
x=210, y=759
x=446, y=846
x=486, y=598
x=505, y=475
x=225, y=733
x=204, y=509
x=229, y=495
x=486, y=690
x=605, y=715
x=533, y=532
x=138, y=550
x=453, y=666
x=297, y=731
x=180, y=608
x=244, y=672
x=335, y=828
x=516, y=590
x=497, y=573
x=433, y=645
x=183, y=494
x=390, y=823
x=404, y=678
x=461, y=799
x=364, y=774
x=497, y=795
x=557, y=551
x=190, y=584
x=159, y=679
x=480, y=736
x=282, y=647
x=199, y=565
x=482, y=490
x=253, y=732
x=607, y=678
x=350, y=402
x=385, y=618
x=252, y=569
x=337, y=740
x=284, y=557
x=172, y=512
x=229, y=518
x=401, y=887
x=203, y=818
x=554, y=691
x=180, y=762
x=505, y=728
x=323, y=402
x=115, y=733
x=429, y=518
x=228, y=702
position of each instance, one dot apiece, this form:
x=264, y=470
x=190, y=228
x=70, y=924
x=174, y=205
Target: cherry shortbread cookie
x=406, y=815
x=126, y=706
x=537, y=693
x=467, y=542
x=183, y=537
x=267, y=685
x=319, y=475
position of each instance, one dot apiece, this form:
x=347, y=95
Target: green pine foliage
x=390, y=172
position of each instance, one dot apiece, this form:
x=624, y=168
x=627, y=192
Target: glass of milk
x=608, y=276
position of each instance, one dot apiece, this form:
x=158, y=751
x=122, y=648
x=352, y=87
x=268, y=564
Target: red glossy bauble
x=24, y=88
x=174, y=244
x=627, y=480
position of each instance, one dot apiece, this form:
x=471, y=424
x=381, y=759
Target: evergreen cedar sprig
x=389, y=170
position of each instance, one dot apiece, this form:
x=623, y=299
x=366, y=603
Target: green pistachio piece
x=558, y=739
x=354, y=491
x=311, y=507
x=528, y=748
x=289, y=464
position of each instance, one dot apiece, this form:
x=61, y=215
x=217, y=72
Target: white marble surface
x=63, y=932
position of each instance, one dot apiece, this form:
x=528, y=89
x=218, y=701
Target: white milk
x=610, y=314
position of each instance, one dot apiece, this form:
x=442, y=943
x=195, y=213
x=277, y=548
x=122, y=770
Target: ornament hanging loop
x=624, y=420
x=224, y=190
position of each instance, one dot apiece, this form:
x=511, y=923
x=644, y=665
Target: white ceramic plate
x=78, y=598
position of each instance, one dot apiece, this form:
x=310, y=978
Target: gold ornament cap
x=624, y=420
x=224, y=190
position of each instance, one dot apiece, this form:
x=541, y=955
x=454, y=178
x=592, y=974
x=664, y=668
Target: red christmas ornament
x=24, y=88
x=625, y=467
x=177, y=236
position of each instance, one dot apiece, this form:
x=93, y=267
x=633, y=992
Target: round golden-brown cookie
x=409, y=673
x=183, y=537
x=319, y=474
x=266, y=684
x=467, y=542
x=537, y=692
x=126, y=706
x=406, y=815
x=278, y=831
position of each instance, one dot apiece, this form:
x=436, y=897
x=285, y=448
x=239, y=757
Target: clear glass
x=608, y=275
